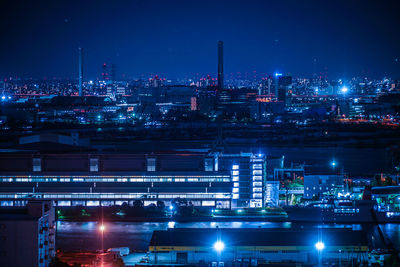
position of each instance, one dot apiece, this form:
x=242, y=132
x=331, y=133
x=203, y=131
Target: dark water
x=136, y=236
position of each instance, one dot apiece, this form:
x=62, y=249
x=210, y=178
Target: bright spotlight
x=102, y=228
x=344, y=89
x=319, y=245
x=171, y=207
x=219, y=246
x=171, y=224
x=333, y=163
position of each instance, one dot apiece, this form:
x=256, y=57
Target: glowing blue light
x=171, y=207
x=3, y=98
x=344, y=90
x=333, y=163
x=356, y=100
x=277, y=74
x=219, y=246
x=319, y=245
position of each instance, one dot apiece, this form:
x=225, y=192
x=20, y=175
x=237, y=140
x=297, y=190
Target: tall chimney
x=220, y=65
x=80, y=70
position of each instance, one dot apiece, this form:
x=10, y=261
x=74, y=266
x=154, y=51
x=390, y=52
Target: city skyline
x=178, y=39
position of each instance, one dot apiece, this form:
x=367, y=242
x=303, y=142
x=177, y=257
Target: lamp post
x=320, y=247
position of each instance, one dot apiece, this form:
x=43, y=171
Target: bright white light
x=319, y=245
x=219, y=246
x=333, y=163
x=3, y=97
x=344, y=89
x=102, y=228
x=171, y=207
x=171, y=224
x=356, y=100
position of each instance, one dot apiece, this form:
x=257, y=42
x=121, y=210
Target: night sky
x=178, y=39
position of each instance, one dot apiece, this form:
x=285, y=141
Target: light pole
x=320, y=247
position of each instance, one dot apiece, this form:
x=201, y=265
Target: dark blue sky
x=179, y=38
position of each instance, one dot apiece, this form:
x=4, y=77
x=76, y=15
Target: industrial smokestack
x=220, y=65
x=80, y=70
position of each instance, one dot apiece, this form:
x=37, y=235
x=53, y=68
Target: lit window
x=235, y=167
x=235, y=190
x=94, y=165
x=151, y=164
x=37, y=164
x=257, y=184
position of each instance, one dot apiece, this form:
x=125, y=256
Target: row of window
x=113, y=196
x=120, y=180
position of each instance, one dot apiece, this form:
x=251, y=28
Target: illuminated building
x=113, y=179
x=220, y=65
x=254, y=247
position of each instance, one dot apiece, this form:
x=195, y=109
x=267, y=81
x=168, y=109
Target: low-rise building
x=228, y=247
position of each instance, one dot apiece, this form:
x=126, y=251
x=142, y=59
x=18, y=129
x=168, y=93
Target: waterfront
x=74, y=236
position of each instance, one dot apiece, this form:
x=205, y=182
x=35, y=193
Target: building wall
x=125, y=173
x=256, y=256
x=19, y=246
x=316, y=185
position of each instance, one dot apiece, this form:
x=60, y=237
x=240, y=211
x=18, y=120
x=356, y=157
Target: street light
x=219, y=246
x=102, y=228
x=319, y=245
x=333, y=164
x=344, y=90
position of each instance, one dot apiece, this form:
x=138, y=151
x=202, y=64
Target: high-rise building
x=220, y=65
x=80, y=70
x=284, y=84
x=104, y=73
x=113, y=73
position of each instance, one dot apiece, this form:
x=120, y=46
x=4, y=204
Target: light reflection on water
x=136, y=235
